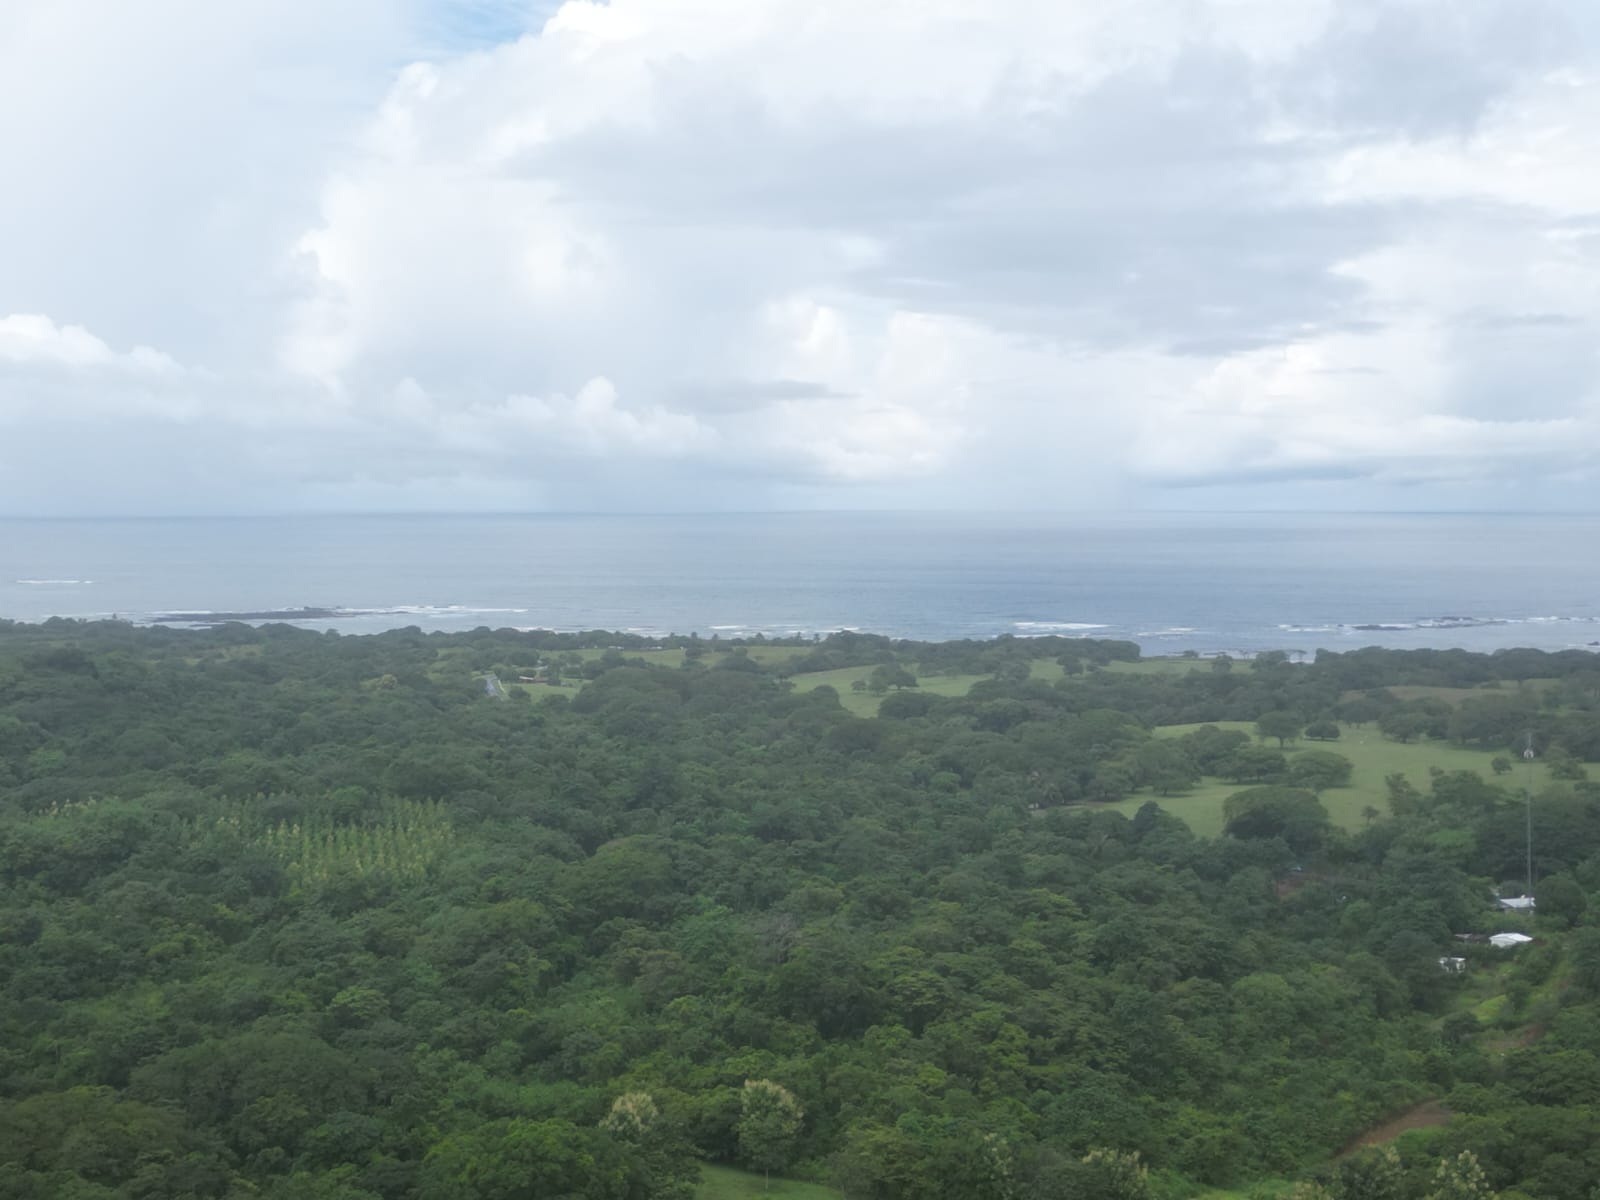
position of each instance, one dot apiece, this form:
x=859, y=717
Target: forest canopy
x=296, y=915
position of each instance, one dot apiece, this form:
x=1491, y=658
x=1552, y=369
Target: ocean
x=1208, y=582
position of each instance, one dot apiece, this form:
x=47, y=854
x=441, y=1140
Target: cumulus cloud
x=717, y=252
x=33, y=338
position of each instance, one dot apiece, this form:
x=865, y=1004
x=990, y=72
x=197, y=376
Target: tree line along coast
x=299, y=916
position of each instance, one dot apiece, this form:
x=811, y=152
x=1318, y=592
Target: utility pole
x=1527, y=800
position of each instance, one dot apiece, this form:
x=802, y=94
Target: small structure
x=1452, y=964
x=1516, y=903
x=1508, y=941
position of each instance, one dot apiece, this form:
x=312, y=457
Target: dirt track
x=1426, y=1115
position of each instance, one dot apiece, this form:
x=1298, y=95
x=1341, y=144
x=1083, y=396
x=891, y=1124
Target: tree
x=1317, y=770
x=889, y=675
x=512, y=1159
x=1375, y=1175
x=1322, y=731
x=1563, y=765
x=1561, y=897
x=769, y=1122
x=1460, y=1178
x=1115, y=1175
x=1209, y=746
x=1404, y=798
x=663, y=1158
x=1293, y=814
x=633, y=1115
x=1583, y=947
x=1164, y=767
x=1403, y=724
x=900, y=705
x=1284, y=726
x=1252, y=764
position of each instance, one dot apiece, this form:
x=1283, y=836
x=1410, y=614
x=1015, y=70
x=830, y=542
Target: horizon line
x=327, y=514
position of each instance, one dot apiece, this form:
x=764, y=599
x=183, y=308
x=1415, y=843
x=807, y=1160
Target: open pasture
x=1374, y=757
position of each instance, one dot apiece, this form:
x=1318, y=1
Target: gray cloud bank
x=724, y=254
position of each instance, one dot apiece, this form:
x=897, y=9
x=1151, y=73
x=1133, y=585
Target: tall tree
x=769, y=1122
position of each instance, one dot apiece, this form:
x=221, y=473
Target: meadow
x=1374, y=757
x=859, y=703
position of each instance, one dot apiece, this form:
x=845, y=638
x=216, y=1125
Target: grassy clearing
x=1170, y=666
x=542, y=691
x=1200, y=806
x=861, y=704
x=1373, y=756
x=865, y=704
x=729, y=1183
x=766, y=655
x=659, y=658
x=1049, y=670
x=1455, y=695
x=1418, y=691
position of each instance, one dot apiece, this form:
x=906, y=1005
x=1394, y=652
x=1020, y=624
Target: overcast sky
x=285, y=255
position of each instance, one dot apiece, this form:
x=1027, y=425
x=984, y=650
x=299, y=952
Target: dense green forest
x=301, y=916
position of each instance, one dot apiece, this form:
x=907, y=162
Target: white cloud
x=999, y=252
x=33, y=338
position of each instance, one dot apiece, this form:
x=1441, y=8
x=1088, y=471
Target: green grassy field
x=766, y=655
x=865, y=704
x=1418, y=691
x=660, y=658
x=1455, y=695
x=1373, y=757
x=729, y=1183
x=539, y=691
x=1170, y=666
x=1049, y=670
x=1200, y=807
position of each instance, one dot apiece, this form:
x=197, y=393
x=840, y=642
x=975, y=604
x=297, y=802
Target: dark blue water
x=1209, y=582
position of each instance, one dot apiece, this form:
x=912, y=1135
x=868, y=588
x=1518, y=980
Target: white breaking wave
x=1057, y=626
x=54, y=582
x=1452, y=622
x=437, y=610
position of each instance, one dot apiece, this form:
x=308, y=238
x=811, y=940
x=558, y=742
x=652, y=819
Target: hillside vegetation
x=294, y=916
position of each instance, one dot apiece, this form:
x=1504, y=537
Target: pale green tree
x=1116, y=1175
x=769, y=1122
x=1461, y=1178
x=663, y=1160
x=633, y=1115
x=1374, y=1175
